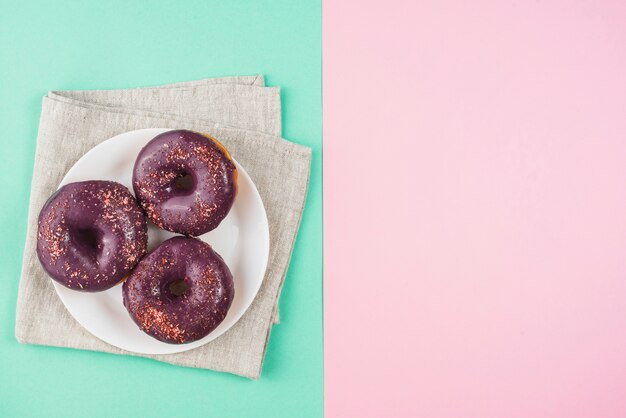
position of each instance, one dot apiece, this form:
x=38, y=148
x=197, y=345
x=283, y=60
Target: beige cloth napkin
x=241, y=113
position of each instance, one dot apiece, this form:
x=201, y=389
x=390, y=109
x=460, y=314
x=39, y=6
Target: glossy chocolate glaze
x=91, y=234
x=180, y=292
x=185, y=181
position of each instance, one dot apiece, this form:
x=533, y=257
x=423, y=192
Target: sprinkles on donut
x=180, y=292
x=91, y=234
x=185, y=181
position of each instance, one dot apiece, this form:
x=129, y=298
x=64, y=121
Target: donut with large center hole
x=180, y=292
x=91, y=234
x=185, y=181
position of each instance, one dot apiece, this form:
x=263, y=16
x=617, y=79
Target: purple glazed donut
x=185, y=181
x=91, y=234
x=180, y=292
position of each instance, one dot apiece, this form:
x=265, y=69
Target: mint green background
x=115, y=44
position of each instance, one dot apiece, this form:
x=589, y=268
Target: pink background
x=475, y=208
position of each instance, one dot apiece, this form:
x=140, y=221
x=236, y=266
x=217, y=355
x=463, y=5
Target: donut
x=91, y=234
x=185, y=181
x=180, y=292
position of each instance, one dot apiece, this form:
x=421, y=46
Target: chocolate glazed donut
x=185, y=181
x=180, y=292
x=90, y=235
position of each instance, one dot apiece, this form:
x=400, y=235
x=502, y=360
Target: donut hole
x=87, y=240
x=183, y=183
x=177, y=288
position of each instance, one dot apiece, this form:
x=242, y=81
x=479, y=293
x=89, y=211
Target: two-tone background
x=471, y=257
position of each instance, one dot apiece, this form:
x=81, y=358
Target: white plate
x=242, y=239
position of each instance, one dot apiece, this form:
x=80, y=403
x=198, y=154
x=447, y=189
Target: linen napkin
x=246, y=117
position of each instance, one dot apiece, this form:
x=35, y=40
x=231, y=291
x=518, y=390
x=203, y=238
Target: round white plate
x=242, y=239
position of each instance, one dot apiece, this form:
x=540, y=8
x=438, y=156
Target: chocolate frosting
x=180, y=292
x=185, y=182
x=91, y=234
